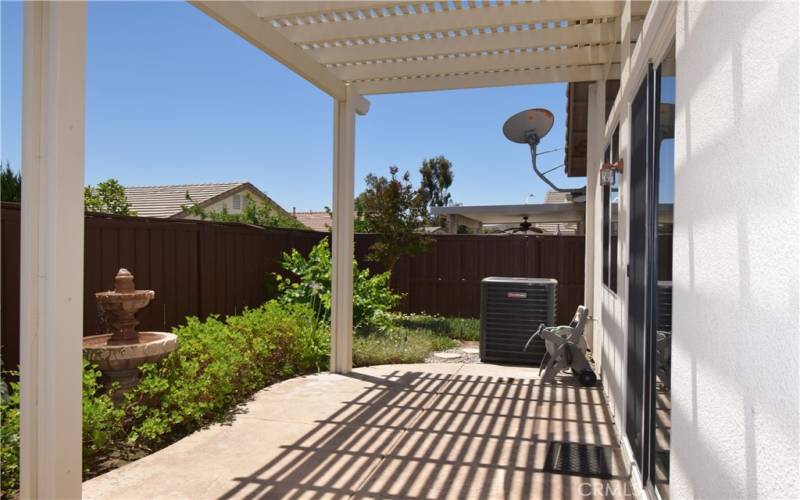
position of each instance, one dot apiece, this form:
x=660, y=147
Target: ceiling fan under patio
x=524, y=227
x=529, y=127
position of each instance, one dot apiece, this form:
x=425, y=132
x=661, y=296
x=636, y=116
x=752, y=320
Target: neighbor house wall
x=735, y=411
x=227, y=203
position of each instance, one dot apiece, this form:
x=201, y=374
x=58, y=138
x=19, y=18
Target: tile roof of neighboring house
x=318, y=221
x=166, y=201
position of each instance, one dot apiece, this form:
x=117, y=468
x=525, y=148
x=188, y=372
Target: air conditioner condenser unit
x=511, y=310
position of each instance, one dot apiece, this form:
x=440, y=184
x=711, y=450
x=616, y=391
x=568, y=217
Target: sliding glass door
x=641, y=121
x=662, y=268
x=650, y=274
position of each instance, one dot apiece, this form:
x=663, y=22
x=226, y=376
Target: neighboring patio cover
x=505, y=214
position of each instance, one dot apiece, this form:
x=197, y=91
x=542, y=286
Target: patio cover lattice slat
x=384, y=47
x=469, y=43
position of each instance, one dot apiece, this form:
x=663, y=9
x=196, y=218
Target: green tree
x=259, y=214
x=10, y=184
x=437, y=177
x=396, y=212
x=107, y=197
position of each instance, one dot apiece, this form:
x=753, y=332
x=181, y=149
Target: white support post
x=344, y=131
x=593, y=230
x=51, y=268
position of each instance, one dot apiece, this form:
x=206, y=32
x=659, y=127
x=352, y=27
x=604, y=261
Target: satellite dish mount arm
x=533, y=141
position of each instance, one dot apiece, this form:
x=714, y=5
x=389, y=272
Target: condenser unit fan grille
x=511, y=310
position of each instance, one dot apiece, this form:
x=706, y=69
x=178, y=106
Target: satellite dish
x=527, y=125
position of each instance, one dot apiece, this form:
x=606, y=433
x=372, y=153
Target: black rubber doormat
x=578, y=459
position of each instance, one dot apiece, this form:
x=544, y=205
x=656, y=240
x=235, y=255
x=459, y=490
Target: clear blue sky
x=173, y=97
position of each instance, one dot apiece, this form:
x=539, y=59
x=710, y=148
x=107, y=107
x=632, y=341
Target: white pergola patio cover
x=386, y=47
x=348, y=49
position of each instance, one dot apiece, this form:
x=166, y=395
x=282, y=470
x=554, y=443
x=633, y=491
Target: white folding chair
x=565, y=348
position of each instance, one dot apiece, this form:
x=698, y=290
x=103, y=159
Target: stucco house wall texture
x=736, y=334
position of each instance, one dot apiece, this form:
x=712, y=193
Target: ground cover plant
x=411, y=338
x=454, y=328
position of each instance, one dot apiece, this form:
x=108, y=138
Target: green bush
x=9, y=438
x=219, y=364
x=308, y=281
x=101, y=418
x=101, y=424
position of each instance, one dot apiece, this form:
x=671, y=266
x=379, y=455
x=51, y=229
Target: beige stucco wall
x=736, y=348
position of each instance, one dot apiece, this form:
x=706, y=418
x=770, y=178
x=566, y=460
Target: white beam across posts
x=569, y=57
x=483, y=80
x=51, y=268
x=344, y=133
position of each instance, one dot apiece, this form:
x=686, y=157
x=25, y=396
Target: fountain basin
x=120, y=362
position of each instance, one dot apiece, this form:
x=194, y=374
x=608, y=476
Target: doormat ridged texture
x=578, y=459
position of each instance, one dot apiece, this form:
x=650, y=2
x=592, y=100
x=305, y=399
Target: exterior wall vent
x=511, y=311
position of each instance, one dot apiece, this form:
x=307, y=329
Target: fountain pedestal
x=119, y=354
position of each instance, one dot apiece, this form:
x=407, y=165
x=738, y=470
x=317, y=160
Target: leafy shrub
x=101, y=418
x=308, y=281
x=101, y=424
x=219, y=364
x=9, y=439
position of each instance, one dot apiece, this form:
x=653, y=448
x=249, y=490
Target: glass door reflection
x=663, y=313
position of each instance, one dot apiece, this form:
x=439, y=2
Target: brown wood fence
x=199, y=268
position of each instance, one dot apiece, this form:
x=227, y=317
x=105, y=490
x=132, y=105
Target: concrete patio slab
x=444, y=430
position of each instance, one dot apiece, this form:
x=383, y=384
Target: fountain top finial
x=123, y=281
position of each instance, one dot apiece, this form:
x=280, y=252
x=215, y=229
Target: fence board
x=9, y=280
x=199, y=268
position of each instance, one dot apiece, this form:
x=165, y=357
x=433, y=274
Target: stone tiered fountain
x=119, y=354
